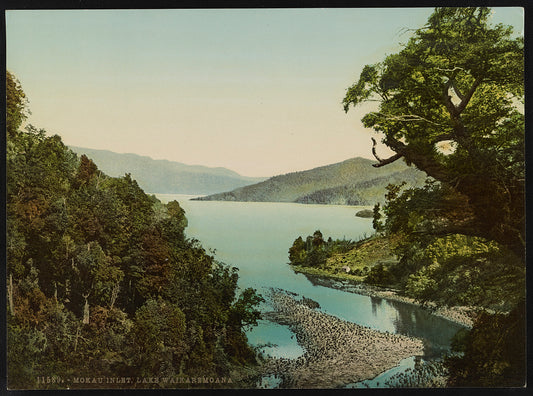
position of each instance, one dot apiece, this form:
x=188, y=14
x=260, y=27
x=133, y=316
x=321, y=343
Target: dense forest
x=351, y=182
x=368, y=192
x=460, y=238
x=102, y=280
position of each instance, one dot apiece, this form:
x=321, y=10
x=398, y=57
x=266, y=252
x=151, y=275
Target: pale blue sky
x=256, y=91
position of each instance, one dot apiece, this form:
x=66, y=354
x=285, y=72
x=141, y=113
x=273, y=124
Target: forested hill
x=351, y=182
x=102, y=280
x=166, y=177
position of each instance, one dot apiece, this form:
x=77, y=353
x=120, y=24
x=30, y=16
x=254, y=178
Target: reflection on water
x=275, y=340
x=375, y=303
x=437, y=332
x=255, y=237
x=381, y=380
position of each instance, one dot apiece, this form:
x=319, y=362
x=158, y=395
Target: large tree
x=450, y=102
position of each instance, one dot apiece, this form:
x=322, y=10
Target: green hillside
x=166, y=177
x=102, y=281
x=351, y=182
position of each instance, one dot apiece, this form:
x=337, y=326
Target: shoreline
x=461, y=315
x=336, y=352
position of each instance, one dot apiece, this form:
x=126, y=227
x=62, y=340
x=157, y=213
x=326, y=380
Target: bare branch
x=428, y=164
x=388, y=160
x=455, y=69
x=407, y=118
x=383, y=162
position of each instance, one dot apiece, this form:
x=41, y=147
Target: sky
x=258, y=91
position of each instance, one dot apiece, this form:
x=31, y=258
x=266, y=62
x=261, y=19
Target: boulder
x=365, y=213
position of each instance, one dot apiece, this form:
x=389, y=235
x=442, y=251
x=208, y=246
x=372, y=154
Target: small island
x=366, y=213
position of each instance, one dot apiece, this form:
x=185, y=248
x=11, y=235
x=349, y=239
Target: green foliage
x=16, y=104
x=377, y=223
x=158, y=335
x=315, y=250
x=380, y=275
x=102, y=280
x=493, y=352
x=461, y=270
x=25, y=352
x=457, y=83
x=440, y=265
x=297, y=252
x=244, y=314
x=451, y=104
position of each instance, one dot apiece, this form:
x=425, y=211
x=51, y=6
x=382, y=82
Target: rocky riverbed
x=337, y=352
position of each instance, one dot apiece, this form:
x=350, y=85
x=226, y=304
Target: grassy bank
x=348, y=271
x=355, y=264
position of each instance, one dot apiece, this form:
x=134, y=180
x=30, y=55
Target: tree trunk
x=114, y=295
x=76, y=339
x=86, y=311
x=10, y=295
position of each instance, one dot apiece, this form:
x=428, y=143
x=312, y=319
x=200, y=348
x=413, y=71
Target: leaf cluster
x=314, y=251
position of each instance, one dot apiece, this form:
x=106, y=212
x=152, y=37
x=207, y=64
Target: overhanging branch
x=425, y=163
x=407, y=118
x=383, y=162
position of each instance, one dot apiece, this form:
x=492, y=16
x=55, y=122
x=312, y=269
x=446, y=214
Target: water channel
x=255, y=237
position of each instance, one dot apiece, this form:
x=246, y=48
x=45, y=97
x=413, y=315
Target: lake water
x=255, y=237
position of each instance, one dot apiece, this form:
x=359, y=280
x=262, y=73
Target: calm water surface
x=255, y=237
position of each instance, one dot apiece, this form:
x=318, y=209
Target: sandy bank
x=336, y=352
x=461, y=315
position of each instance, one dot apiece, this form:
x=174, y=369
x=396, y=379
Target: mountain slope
x=167, y=177
x=351, y=182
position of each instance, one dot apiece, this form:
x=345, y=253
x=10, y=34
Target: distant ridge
x=351, y=182
x=167, y=177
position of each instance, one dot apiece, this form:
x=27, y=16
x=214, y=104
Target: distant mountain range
x=167, y=177
x=351, y=182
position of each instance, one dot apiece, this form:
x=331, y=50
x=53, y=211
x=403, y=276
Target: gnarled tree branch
x=383, y=162
x=425, y=163
x=407, y=118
